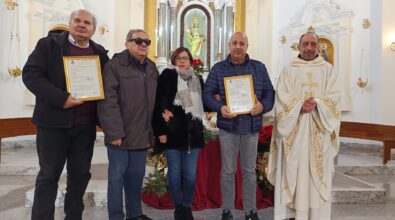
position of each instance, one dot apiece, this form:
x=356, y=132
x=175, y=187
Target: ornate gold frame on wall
x=60, y=27
x=151, y=13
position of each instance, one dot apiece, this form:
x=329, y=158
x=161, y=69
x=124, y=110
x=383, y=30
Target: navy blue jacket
x=43, y=74
x=263, y=90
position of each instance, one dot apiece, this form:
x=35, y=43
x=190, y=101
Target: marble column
x=229, y=26
x=218, y=32
x=173, y=25
x=162, y=35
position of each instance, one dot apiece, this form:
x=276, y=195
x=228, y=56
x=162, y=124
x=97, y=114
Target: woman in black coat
x=178, y=128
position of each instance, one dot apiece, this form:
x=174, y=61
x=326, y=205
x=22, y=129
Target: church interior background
x=357, y=37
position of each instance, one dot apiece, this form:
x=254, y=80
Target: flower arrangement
x=197, y=65
x=265, y=136
x=261, y=171
x=156, y=182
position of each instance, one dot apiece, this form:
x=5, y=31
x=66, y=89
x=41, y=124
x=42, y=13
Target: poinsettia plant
x=197, y=65
x=265, y=136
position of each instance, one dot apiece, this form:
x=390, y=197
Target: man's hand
x=257, y=108
x=217, y=97
x=117, y=142
x=163, y=139
x=71, y=102
x=226, y=113
x=167, y=115
x=309, y=105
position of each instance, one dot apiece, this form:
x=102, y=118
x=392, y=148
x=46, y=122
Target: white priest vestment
x=304, y=145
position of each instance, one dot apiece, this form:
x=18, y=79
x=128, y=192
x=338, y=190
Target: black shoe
x=188, y=213
x=141, y=217
x=253, y=215
x=179, y=212
x=226, y=215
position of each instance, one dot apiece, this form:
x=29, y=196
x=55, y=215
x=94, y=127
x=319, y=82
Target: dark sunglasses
x=140, y=41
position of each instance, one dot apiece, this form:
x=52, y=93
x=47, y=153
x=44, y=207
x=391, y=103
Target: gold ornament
x=103, y=29
x=283, y=39
x=295, y=46
x=362, y=83
x=10, y=5
x=366, y=23
x=311, y=30
x=14, y=72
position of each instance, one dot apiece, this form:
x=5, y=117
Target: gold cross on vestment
x=310, y=84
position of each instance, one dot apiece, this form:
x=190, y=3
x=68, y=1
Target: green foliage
x=261, y=169
x=156, y=183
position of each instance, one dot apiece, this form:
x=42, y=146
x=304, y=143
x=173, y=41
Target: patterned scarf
x=189, y=93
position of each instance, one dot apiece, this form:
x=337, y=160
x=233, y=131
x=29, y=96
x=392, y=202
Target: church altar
x=207, y=188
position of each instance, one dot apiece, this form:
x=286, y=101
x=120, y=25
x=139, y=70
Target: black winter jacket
x=182, y=131
x=43, y=74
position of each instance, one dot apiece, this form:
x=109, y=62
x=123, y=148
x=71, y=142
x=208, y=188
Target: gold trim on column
x=150, y=13
x=240, y=15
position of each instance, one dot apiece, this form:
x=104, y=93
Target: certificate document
x=83, y=77
x=239, y=92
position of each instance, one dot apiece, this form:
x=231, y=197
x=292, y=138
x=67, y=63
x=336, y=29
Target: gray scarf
x=189, y=93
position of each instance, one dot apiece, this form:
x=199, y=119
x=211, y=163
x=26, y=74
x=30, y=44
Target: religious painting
x=326, y=50
x=195, y=32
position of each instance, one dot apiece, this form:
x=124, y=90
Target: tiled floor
x=22, y=159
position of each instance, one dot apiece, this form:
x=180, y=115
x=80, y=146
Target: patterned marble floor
x=363, y=162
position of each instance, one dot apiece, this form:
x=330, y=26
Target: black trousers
x=55, y=146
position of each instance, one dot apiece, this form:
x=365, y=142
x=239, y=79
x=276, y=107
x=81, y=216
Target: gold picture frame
x=84, y=77
x=239, y=92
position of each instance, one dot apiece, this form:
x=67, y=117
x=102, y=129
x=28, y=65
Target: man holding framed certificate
x=64, y=73
x=246, y=92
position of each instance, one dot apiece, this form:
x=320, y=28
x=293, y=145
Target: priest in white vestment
x=306, y=135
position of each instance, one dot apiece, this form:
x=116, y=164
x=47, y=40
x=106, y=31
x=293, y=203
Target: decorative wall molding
x=51, y=16
x=318, y=5
x=46, y=2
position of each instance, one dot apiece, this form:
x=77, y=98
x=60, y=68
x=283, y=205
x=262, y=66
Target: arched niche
x=327, y=50
x=185, y=20
x=195, y=32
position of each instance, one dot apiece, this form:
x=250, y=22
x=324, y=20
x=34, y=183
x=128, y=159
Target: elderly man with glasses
x=130, y=80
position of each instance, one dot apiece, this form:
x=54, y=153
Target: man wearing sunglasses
x=130, y=80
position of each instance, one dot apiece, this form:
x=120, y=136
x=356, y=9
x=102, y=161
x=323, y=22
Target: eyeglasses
x=140, y=41
x=182, y=59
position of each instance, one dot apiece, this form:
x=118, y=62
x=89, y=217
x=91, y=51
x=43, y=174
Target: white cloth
x=304, y=144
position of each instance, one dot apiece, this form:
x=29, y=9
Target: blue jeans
x=126, y=170
x=181, y=175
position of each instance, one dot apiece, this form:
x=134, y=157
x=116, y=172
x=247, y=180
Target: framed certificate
x=239, y=91
x=83, y=77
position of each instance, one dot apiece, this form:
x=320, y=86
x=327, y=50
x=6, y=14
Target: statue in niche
x=195, y=38
x=324, y=54
x=326, y=50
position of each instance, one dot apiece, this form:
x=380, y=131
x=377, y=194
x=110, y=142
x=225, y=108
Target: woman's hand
x=167, y=115
x=163, y=139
